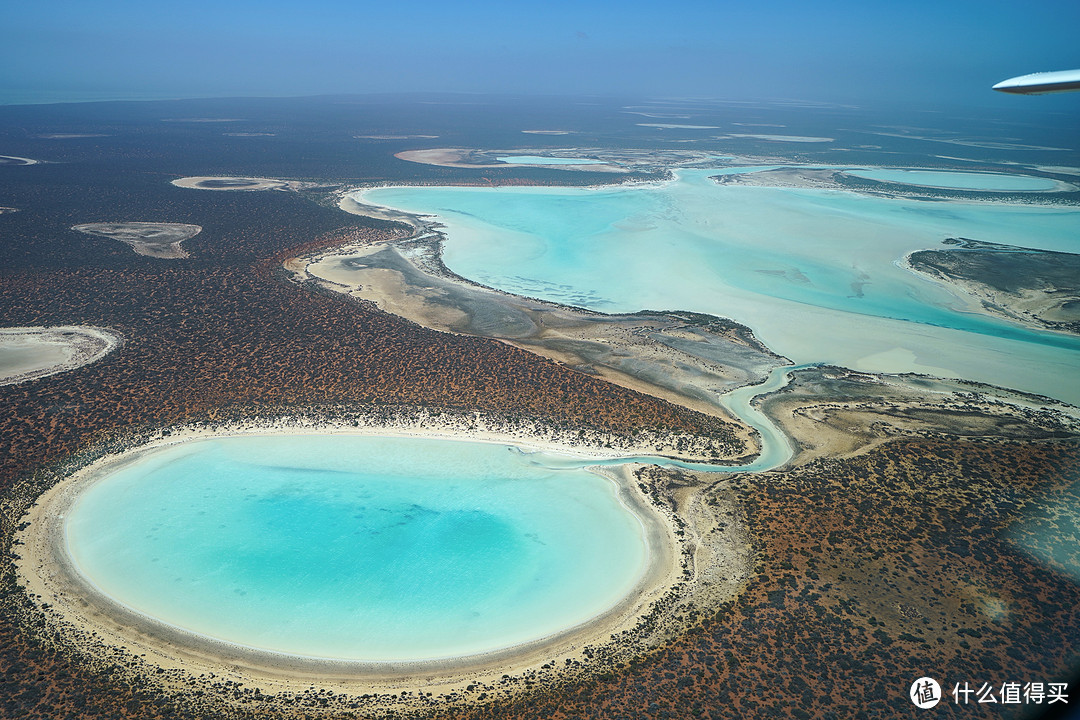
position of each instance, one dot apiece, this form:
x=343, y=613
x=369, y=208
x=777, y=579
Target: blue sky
x=861, y=52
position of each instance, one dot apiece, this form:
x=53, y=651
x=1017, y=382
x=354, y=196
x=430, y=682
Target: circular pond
x=356, y=548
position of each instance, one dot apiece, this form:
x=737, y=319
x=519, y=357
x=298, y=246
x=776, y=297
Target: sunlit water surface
x=355, y=547
x=817, y=274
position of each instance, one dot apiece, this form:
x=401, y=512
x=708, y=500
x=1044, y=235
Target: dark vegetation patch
x=912, y=560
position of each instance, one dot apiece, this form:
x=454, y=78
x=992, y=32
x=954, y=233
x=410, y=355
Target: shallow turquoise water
x=541, y=160
x=816, y=273
x=357, y=547
x=995, y=182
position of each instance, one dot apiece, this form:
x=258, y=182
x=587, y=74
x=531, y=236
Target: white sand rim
x=91, y=619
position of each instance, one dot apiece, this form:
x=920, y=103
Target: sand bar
x=465, y=158
x=14, y=160
x=783, y=138
x=68, y=136
x=395, y=137
x=29, y=353
x=675, y=126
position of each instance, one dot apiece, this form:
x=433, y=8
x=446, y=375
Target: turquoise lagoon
x=817, y=274
x=357, y=548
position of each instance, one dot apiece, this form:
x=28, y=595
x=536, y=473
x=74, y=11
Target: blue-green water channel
x=817, y=274
x=360, y=548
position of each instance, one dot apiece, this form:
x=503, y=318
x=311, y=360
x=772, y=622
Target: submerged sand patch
x=29, y=353
x=395, y=137
x=153, y=239
x=466, y=158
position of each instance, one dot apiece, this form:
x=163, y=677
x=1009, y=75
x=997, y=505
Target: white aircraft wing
x=1041, y=83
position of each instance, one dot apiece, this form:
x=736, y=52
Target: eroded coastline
x=1040, y=288
x=687, y=358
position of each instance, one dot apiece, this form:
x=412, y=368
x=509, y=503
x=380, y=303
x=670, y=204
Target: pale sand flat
x=29, y=353
x=152, y=239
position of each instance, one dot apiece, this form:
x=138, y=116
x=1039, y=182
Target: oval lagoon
x=355, y=547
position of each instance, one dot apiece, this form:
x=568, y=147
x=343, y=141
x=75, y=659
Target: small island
x=1036, y=287
x=152, y=239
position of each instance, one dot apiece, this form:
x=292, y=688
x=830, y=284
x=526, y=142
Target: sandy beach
x=100, y=626
x=29, y=353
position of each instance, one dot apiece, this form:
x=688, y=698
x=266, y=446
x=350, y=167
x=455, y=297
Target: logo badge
x=925, y=692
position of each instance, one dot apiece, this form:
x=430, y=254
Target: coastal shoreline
x=669, y=355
